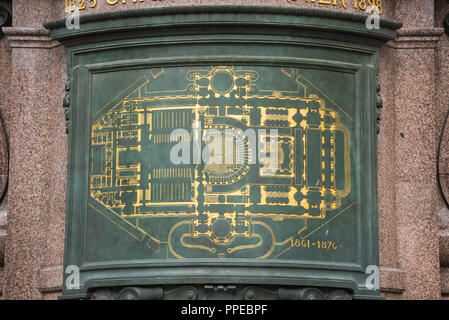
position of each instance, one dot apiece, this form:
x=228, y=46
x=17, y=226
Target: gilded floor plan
x=235, y=209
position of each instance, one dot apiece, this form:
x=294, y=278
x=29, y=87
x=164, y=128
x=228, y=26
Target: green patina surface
x=134, y=217
x=225, y=208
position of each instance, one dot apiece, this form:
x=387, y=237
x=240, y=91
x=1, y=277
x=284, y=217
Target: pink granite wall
x=392, y=277
x=413, y=76
x=408, y=190
x=36, y=196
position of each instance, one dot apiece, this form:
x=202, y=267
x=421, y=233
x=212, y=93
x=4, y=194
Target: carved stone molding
x=416, y=38
x=36, y=38
x=231, y=292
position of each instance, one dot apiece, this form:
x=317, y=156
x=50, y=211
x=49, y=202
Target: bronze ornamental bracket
x=231, y=292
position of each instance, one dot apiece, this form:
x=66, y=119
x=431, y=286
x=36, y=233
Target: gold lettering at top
x=71, y=5
x=358, y=4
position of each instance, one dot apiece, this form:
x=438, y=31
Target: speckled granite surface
x=388, y=251
x=410, y=132
x=37, y=162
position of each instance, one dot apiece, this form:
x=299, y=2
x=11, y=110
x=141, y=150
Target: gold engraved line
x=248, y=246
x=341, y=109
x=125, y=90
x=345, y=209
x=133, y=226
x=317, y=229
x=195, y=246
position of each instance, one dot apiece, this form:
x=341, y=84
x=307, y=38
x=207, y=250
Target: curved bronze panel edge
x=148, y=12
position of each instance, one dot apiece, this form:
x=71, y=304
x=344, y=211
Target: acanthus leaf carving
x=379, y=104
x=66, y=104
